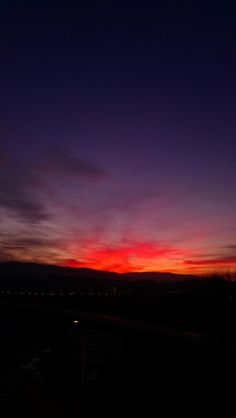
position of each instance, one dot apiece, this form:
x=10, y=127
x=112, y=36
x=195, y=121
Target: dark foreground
x=52, y=366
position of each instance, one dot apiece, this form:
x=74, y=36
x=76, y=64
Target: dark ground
x=126, y=372
x=156, y=347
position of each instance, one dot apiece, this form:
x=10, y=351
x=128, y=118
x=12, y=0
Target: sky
x=117, y=134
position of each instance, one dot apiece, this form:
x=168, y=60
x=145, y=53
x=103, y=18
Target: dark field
x=53, y=367
x=77, y=343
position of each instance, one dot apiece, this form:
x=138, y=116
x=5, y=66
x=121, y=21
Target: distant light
x=75, y=321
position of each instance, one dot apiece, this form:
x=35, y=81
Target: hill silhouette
x=13, y=269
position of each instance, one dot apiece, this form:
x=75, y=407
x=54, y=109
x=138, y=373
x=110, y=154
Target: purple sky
x=117, y=134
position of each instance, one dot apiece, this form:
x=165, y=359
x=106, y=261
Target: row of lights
x=9, y=292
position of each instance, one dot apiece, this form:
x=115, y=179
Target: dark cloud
x=18, y=195
x=223, y=258
x=33, y=242
x=23, y=182
x=62, y=163
x=212, y=261
x=13, y=248
x=24, y=243
x=230, y=247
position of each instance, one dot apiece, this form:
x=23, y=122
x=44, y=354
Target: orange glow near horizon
x=133, y=257
x=147, y=257
x=115, y=267
x=216, y=268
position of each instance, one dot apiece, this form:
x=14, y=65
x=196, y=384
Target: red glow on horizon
x=130, y=258
x=145, y=258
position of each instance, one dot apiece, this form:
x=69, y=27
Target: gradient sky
x=118, y=134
